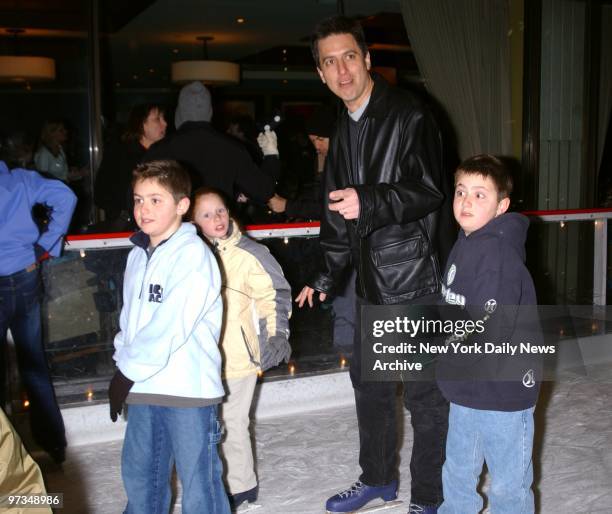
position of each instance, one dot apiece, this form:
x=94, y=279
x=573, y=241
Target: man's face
x=321, y=144
x=345, y=70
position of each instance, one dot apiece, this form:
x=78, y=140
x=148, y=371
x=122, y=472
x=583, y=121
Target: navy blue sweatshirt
x=486, y=279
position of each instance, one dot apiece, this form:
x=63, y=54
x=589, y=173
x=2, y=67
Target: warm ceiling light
x=216, y=73
x=17, y=68
x=25, y=68
x=240, y=20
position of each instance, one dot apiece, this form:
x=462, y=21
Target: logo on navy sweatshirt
x=156, y=293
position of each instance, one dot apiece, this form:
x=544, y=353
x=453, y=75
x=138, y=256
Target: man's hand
x=345, y=202
x=118, y=390
x=267, y=142
x=277, y=203
x=306, y=294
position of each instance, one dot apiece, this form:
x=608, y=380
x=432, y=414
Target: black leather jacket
x=402, y=187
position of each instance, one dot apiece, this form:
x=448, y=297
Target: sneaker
x=414, y=508
x=235, y=500
x=358, y=495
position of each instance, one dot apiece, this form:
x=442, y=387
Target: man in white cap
x=213, y=158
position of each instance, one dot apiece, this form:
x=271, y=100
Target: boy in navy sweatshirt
x=492, y=396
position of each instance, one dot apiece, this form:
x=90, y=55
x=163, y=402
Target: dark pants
x=20, y=296
x=377, y=417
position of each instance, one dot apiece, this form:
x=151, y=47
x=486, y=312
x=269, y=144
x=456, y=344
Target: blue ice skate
x=355, y=498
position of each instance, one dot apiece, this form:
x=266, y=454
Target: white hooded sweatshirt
x=171, y=320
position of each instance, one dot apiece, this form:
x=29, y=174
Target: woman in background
x=50, y=157
x=113, y=191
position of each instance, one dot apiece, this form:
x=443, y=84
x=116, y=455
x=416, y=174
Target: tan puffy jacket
x=19, y=474
x=256, y=301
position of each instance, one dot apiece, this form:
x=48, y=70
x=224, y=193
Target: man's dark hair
x=169, y=174
x=337, y=25
x=16, y=149
x=134, y=129
x=487, y=165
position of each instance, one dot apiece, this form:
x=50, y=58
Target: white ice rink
x=308, y=455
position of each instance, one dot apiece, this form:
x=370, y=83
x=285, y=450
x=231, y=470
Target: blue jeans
x=155, y=439
x=20, y=296
x=505, y=441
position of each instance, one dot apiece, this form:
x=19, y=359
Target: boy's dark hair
x=169, y=174
x=134, y=128
x=488, y=165
x=16, y=149
x=337, y=25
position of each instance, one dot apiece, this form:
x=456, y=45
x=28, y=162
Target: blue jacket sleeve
x=62, y=201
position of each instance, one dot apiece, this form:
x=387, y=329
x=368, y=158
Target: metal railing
x=599, y=217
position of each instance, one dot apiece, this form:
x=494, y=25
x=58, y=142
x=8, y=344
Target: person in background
x=243, y=128
x=22, y=247
x=257, y=302
x=212, y=158
x=308, y=205
x=50, y=160
x=113, y=187
x=50, y=157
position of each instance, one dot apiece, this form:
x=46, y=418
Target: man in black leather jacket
x=385, y=189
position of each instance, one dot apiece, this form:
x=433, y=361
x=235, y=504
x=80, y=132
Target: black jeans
x=377, y=418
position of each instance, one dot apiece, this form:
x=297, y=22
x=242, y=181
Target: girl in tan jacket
x=254, y=336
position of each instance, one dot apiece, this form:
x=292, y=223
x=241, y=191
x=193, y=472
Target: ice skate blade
x=372, y=508
x=247, y=507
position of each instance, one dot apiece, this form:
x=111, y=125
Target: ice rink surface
x=305, y=458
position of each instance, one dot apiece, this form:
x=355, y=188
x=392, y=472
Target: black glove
x=118, y=390
x=273, y=351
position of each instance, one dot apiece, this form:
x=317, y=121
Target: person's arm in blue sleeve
x=61, y=200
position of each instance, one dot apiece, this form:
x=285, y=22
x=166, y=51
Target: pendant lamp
x=25, y=68
x=216, y=73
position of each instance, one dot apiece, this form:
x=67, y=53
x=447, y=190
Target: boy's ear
x=183, y=206
x=502, y=206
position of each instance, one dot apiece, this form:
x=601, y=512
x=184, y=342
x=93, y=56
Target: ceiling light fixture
x=216, y=73
x=25, y=68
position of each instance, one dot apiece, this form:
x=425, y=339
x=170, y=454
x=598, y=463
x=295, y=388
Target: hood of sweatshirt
x=511, y=227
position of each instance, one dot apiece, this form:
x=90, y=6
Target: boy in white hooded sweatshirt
x=169, y=365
